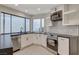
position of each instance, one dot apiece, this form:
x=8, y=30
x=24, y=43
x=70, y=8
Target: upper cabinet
x=71, y=14
x=48, y=21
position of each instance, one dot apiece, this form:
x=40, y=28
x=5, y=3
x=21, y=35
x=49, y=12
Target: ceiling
x=32, y=9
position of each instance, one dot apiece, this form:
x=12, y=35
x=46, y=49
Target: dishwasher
x=16, y=41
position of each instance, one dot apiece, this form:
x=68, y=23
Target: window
x=1, y=29
x=18, y=24
x=1, y=23
x=42, y=22
x=36, y=25
x=5, y=28
x=27, y=25
x=7, y=39
x=7, y=23
x=10, y=23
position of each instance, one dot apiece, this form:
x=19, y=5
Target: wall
x=40, y=15
x=59, y=28
x=13, y=11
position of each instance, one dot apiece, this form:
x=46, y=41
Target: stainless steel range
x=52, y=42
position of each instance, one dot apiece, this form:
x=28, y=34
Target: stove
x=52, y=42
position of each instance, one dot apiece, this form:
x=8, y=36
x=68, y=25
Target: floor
x=34, y=50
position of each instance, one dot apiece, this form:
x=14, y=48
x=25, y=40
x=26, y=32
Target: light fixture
x=38, y=9
x=26, y=11
x=16, y=4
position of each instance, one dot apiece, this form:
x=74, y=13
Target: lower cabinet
x=67, y=45
x=43, y=39
x=25, y=41
x=28, y=39
x=40, y=39
x=35, y=38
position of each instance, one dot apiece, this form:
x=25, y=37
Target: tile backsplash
x=61, y=29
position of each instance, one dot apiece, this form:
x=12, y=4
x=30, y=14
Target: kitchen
x=56, y=30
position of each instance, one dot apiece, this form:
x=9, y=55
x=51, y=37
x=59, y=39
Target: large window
x=7, y=23
x=1, y=29
x=38, y=25
x=1, y=23
x=27, y=25
x=42, y=22
x=18, y=24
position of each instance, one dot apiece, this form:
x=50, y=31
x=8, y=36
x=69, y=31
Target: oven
x=52, y=43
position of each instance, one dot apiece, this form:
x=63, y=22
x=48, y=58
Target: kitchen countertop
x=46, y=33
x=8, y=44
x=64, y=35
x=55, y=35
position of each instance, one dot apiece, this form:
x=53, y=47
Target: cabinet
x=63, y=46
x=35, y=38
x=39, y=39
x=25, y=40
x=43, y=39
x=68, y=45
x=28, y=39
x=48, y=21
x=71, y=14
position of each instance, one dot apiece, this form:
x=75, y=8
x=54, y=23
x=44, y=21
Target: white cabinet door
x=63, y=46
x=39, y=39
x=35, y=38
x=23, y=41
x=43, y=40
x=71, y=14
x=30, y=40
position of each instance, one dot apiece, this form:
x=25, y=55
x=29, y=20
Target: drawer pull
x=26, y=38
x=62, y=39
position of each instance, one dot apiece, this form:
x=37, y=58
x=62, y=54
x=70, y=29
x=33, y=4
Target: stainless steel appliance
x=16, y=42
x=56, y=16
x=52, y=42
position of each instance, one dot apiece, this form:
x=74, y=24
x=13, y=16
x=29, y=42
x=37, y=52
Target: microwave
x=56, y=16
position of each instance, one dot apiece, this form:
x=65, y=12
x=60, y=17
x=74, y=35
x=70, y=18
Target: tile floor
x=34, y=50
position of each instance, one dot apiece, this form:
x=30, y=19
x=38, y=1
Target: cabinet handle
x=62, y=39
x=26, y=38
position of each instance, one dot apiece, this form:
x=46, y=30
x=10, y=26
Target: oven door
x=53, y=44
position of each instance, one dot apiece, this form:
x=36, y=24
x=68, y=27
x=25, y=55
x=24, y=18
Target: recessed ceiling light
x=26, y=11
x=16, y=4
x=38, y=9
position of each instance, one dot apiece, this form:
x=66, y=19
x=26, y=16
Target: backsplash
x=59, y=28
